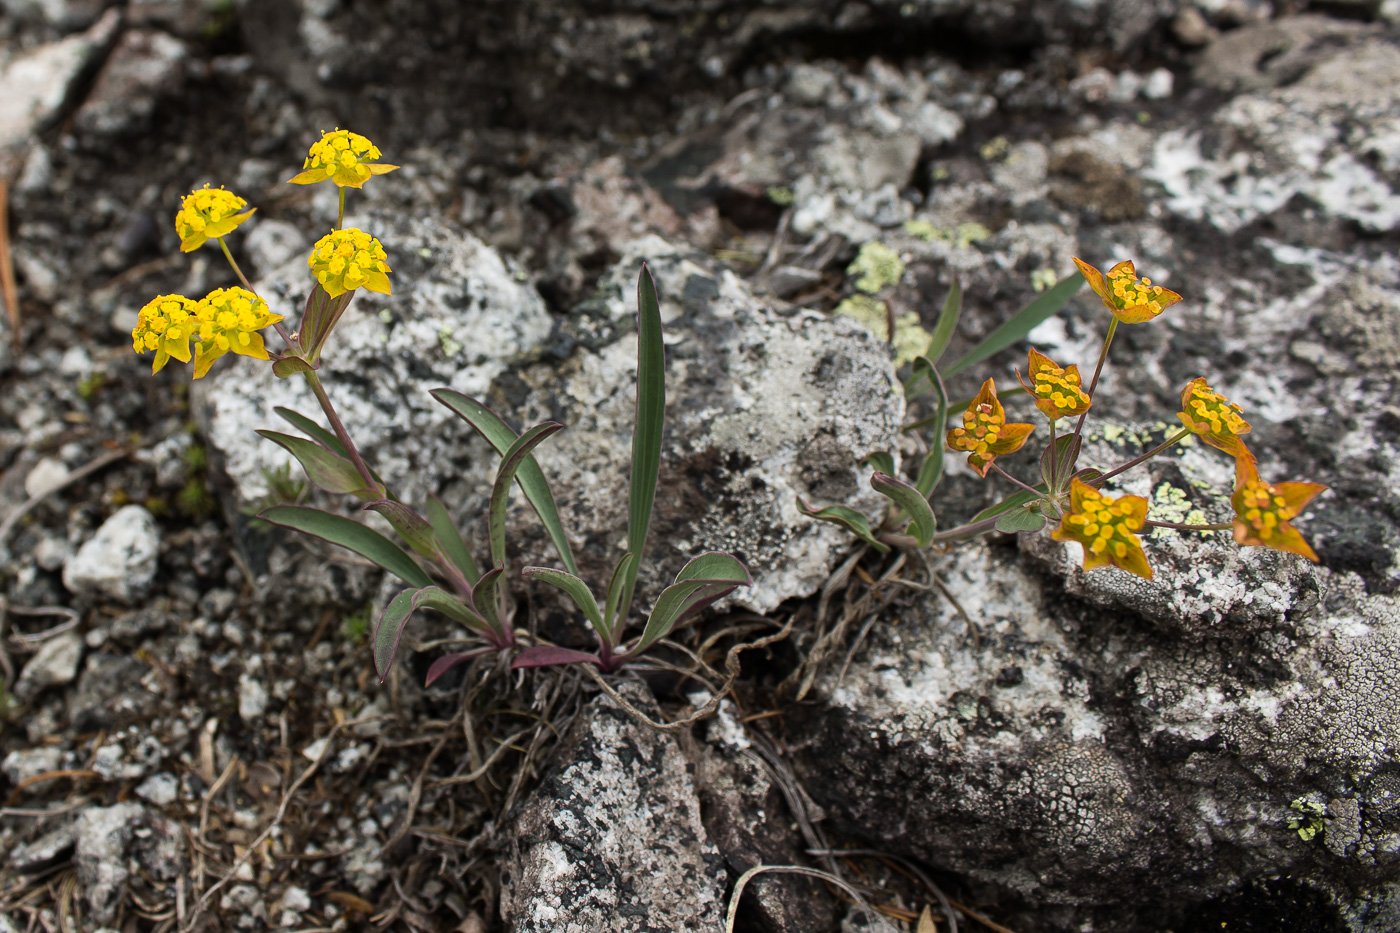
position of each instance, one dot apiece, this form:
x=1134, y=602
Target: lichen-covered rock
x=111, y=841
x=612, y=841
x=1079, y=760
x=119, y=561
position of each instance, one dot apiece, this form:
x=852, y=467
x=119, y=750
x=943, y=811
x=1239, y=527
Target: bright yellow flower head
x=985, y=435
x=165, y=325
x=1132, y=300
x=229, y=319
x=1217, y=420
x=1057, y=391
x=344, y=157
x=1106, y=528
x=207, y=214
x=344, y=260
x=1263, y=511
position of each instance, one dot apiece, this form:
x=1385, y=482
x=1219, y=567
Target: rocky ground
x=191, y=733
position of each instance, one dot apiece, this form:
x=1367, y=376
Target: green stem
x=1054, y=477
x=1223, y=526
x=1136, y=460
x=1014, y=479
x=354, y=454
x=1094, y=383
x=340, y=216
x=286, y=338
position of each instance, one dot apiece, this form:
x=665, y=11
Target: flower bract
x=1263, y=510
x=346, y=158
x=345, y=260
x=1132, y=300
x=206, y=214
x=229, y=319
x=1107, y=529
x=1218, y=421
x=1058, y=391
x=984, y=434
x=165, y=325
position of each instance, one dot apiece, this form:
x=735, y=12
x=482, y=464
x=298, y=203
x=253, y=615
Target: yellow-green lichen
x=961, y=236
x=1308, y=820
x=1171, y=504
x=1042, y=279
x=781, y=195
x=876, y=266
x=910, y=338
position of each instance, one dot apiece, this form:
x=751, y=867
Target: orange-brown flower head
x=984, y=434
x=1058, y=391
x=1217, y=420
x=1132, y=300
x=1106, y=528
x=1263, y=511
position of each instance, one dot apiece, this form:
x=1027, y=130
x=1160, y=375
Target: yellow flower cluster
x=226, y=319
x=1217, y=420
x=1263, y=510
x=208, y=213
x=1106, y=528
x=345, y=260
x=344, y=157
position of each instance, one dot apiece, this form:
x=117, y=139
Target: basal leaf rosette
x=1106, y=528
x=1214, y=418
x=1130, y=299
x=346, y=158
x=207, y=214
x=984, y=434
x=1263, y=510
x=229, y=319
x=1058, y=391
x=344, y=260
x=165, y=325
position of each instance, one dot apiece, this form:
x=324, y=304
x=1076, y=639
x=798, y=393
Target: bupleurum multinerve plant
x=437, y=566
x=1069, y=501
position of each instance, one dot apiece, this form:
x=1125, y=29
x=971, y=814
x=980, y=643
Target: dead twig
x=909, y=867
x=7, y=271
x=87, y=469
x=747, y=876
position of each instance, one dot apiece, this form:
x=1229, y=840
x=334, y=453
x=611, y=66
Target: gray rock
x=612, y=841
x=1077, y=754
x=45, y=851
x=35, y=86
x=53, y=665
x=23, y=764
x=119, y=561
x=103, y=837
x=159, y=789
x=273, y=244
x=110, y=693
x=144, y=67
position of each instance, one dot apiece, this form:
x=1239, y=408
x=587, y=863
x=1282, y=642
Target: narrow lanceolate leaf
x=448, y=661
x=350, y=535
x=487, y=600
x=330, y=471
x=532, y=482
x=932, y=469
x=389, y=629
x=612, y=624
x=1015, y=500
x=1021, y=324
x=313, y=430
x=912, y=502
x=411, y=526
x=947, y=322
x=881, y=460
x=549, y=655
x=701, y=581
x=577, y=590
x=848, y=518
x=1025, y=518
x=646, y=432
x=449, y=539
x=500, y=493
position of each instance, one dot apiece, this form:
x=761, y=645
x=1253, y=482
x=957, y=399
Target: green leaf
x=389, y=628
x=505, y=475
x=330, y=471
x=532, y=482
x=320, y=317
x=1021, y=324
x=701, y=581
x=848, y=518
x=486, y=598
x=947, y=322
x=1010, y=502
x=881, y=460
x=1022, y=519
x=308, y=427
x=350, y=535
x=578, y=591
x=291, y=366
x=1058, y=460
x=625, y=569
x=646, y=433
x=449, y=539
x=912, y=502
x=932, y=469
x=413, y=527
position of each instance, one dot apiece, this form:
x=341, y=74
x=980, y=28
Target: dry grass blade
x=829, y=878
x=909, y=869
x=7, y=269
x=86, y=469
